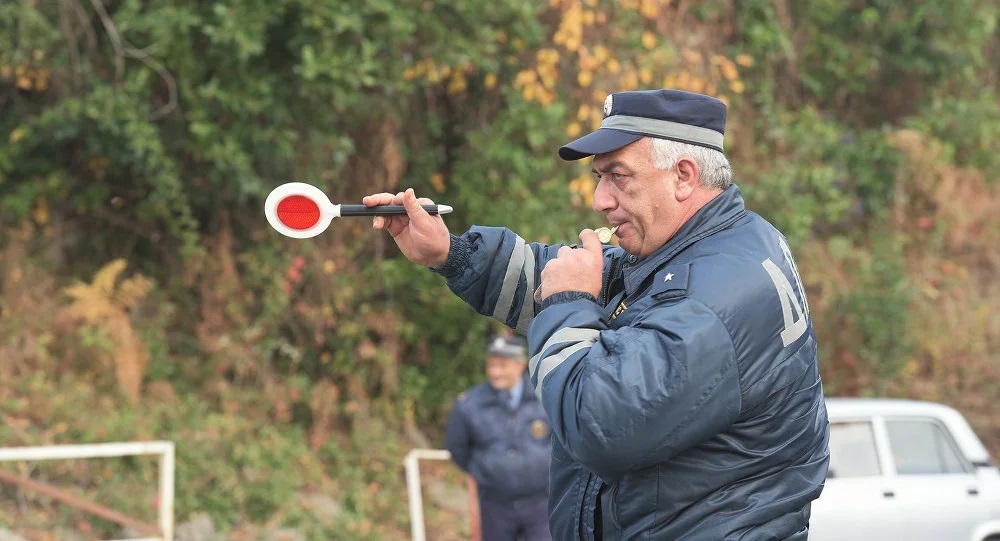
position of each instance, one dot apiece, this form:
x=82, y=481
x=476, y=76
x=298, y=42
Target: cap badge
x=607, y=105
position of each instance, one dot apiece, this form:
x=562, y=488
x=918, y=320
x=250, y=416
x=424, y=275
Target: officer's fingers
x=383, y=198
x=564, y=251
x=413, y=208
x=393, y=224
x=591, y=242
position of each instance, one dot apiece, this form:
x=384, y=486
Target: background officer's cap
x=513, y=347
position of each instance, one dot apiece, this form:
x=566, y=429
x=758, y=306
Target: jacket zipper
x=608, y=279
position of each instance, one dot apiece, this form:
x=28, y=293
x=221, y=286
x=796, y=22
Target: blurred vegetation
x=145, y=297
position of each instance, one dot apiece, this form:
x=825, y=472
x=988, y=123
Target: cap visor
x=599, y=142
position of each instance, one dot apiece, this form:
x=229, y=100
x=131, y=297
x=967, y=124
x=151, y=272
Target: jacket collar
x=526, y=391
x=716, y=214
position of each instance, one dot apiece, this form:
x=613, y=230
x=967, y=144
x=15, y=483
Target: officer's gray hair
x=716, y=172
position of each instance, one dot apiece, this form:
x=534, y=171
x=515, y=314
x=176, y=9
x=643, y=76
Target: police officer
x=498, y=433
x=679, y=369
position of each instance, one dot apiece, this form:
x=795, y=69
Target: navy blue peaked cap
x=677, y=115
x=507, y=346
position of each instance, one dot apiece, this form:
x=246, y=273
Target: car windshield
x=852, y=450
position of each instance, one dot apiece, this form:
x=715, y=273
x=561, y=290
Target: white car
x=908, y=471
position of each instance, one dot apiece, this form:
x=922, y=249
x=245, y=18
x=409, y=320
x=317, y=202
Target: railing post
x=166, y=503
x=413, y=487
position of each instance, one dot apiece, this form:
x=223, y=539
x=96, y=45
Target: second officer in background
x=499, y=434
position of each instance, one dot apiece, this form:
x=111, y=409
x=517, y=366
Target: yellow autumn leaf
x=744, y=60
x=728, y=70
x=490, y=81
x=691, y=56
x=584, y=78
x=132, y=290
x=546, y=98
x=649, y=40
x=737, y=86
x=41, y=212
x=104, y=279
x=457, y=84
x=601, y=53
x=15, y=136
x=437, y=182
x=574, y=129
x=648, y=9
x=524, y=78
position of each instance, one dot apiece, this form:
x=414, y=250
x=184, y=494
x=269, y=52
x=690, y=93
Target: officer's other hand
x=423, y=238
x=574, y=269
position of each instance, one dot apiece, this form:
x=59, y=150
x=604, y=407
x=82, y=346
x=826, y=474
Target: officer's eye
x=611, y=176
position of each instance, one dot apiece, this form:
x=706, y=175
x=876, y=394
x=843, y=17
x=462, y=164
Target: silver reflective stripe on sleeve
x=584, y=338
x=510, y=279
x=528, y=304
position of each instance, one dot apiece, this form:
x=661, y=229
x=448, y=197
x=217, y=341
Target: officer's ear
x=687, y=179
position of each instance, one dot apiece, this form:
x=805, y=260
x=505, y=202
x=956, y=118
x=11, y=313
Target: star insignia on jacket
x=668, y=277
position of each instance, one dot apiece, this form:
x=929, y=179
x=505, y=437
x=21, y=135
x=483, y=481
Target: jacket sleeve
x=495, y=271
x=457, y=438
x=625, y=399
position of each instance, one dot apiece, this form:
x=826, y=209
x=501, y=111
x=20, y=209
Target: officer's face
x=635, y=195
x=504, y=372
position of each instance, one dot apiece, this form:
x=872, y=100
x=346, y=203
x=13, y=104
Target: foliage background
x=144, y=297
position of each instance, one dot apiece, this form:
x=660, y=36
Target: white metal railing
x=165, y=450
x=413, y=487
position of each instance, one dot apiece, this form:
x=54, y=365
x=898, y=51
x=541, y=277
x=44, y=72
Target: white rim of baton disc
x=327, y=210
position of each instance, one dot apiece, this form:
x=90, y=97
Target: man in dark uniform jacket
x=499, y=434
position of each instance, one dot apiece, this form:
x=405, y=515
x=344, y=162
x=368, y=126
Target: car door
x=934, y=486
x=853, y=505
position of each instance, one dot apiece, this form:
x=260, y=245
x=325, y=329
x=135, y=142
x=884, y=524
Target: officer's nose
x=604, y=199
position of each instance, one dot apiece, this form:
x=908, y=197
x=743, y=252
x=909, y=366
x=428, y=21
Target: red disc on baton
x=298, y=212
